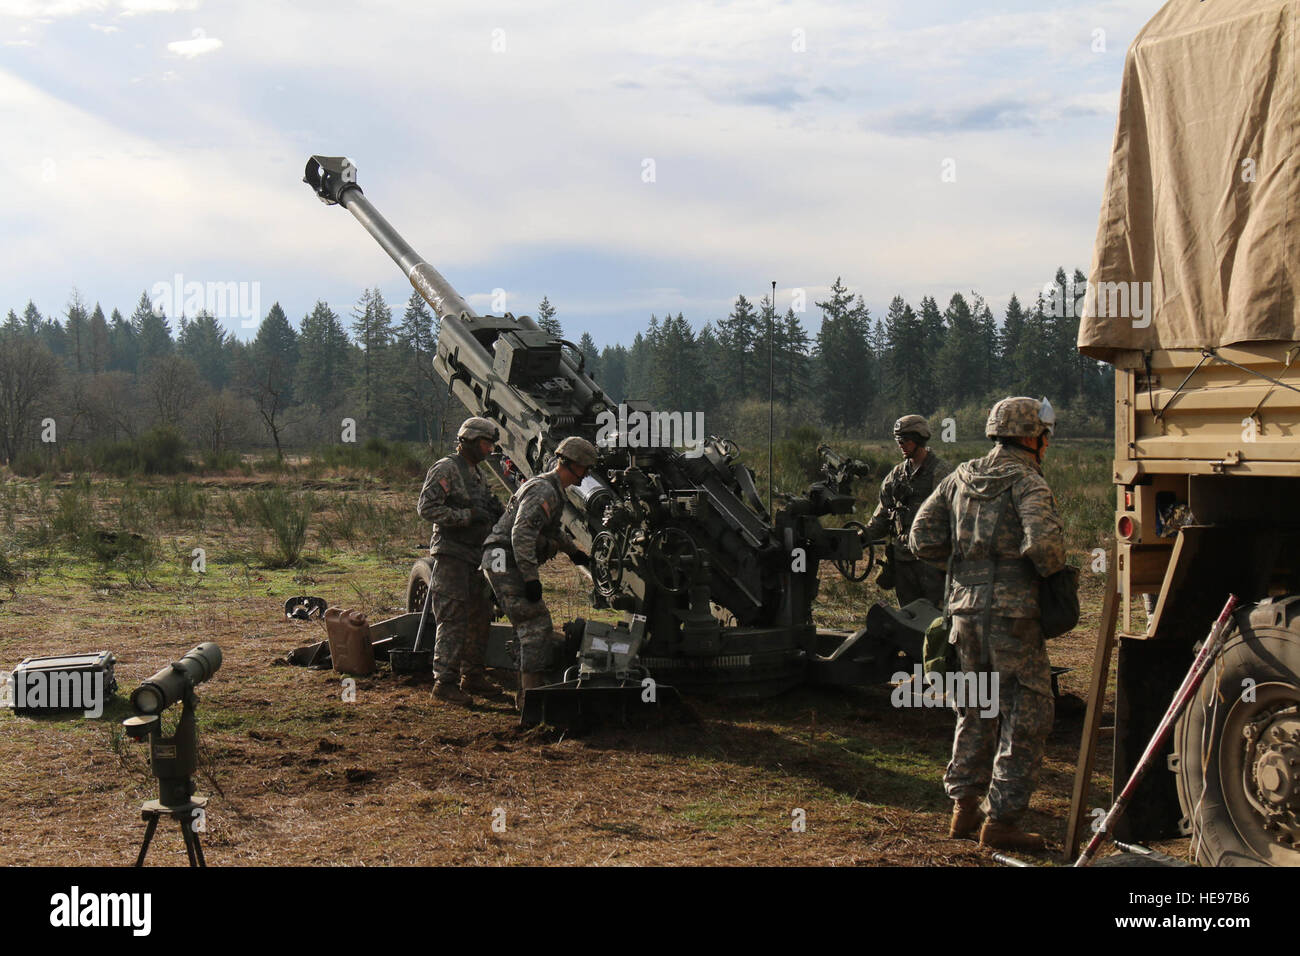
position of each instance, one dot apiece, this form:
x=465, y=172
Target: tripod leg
x=187, y=836
x=148, y=836
x=198, y=849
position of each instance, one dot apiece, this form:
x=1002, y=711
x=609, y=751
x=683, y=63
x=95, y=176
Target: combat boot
x=966, y=816
x=527, y=681
x=479, y=684
x=1008, y=836
x=448, y=691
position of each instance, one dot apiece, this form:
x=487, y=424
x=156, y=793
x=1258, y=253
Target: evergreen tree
x=933, y=333
x=613, y=372
x=99, y=350
x=844, y=358
x=591, y=357
x=708, y=351
x=32, y=318
x=546, y=319
x=323, y=351
x=276, y=351
x=959, y=366
x=903, y=358
x=372, y=325
x=740, y=338
x=1013, y=332
x=123, y=349
x=77, y=329
x=638, y=363
x=13, y=326
x=152, y=330
x=675, y=370
x=987, y=328
x=794, y=367
x=203, y=342
x=416, y=337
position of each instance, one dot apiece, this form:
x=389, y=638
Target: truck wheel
x=417, y=585
x=1238, y=745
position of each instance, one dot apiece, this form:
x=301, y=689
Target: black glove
x=481, y=516
x=533, y=590
x=580, y=558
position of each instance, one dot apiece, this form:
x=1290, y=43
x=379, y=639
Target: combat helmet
x=912, y=425
x=473, y=428
x=577, y=450
x=1020, y=417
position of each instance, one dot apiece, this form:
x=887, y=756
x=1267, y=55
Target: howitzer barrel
x=334, y=179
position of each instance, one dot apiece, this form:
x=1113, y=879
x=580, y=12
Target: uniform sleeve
x=531, y=521
x=931, y=535
x=438, y=485
x=881, y=523
x=1044, y=539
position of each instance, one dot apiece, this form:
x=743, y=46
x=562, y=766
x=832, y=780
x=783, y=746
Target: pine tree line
x=113, y=377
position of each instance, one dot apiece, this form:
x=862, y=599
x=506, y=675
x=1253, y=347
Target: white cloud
x=199, y=44
x=41, y=9
x=100, y=28
x=132, y=8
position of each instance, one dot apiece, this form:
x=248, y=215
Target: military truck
x=1193, y=298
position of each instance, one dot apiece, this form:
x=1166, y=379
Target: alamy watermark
x=221, y=300
x=54, y=690
x=637, y=429
x=965, y=689
x=1117, y=300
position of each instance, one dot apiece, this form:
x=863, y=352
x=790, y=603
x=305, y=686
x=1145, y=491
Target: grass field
x=299, y=776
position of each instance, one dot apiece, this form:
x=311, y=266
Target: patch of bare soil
x=298, y=775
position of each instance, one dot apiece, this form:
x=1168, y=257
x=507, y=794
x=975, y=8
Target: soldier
x=994, y=521
x=525, y=537
x=907, y=485
x=457, y=500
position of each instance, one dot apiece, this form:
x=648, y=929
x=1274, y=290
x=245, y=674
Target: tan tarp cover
x=1209, y=103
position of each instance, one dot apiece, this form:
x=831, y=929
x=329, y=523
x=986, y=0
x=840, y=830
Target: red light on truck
x=1125, y=527
x=1128, y=501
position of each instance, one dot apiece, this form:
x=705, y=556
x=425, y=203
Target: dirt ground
x=299, y=776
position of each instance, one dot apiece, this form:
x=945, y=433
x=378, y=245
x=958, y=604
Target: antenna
x=771, y=388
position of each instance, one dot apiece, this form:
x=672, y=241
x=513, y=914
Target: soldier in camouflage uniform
x=457, y=500
x=527, y=536
x=907, y=485
x=994, y=521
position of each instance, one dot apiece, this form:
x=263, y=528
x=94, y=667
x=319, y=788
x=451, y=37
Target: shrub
x=285, y=516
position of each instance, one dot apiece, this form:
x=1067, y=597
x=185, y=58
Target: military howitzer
x=839, y=472
x=672, y=534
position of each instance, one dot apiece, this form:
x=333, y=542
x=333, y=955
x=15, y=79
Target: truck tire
x=1237, y=746
x=417, y=585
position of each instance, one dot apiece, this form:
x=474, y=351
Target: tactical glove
x=580, y=558
x=533, y=590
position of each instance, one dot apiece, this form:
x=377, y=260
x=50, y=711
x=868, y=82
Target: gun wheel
x=417, y=585
x=850, y=569
x=673, y=556
x=608, y=559
x=1238, y=745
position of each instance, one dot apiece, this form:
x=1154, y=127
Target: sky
x=622, y=159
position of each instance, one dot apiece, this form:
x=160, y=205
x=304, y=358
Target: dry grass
x=300, y=777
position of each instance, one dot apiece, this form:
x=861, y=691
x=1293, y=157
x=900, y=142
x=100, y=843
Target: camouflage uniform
x=525, y=537
x=996, y=619
x=901, y=494
x=462, y=603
